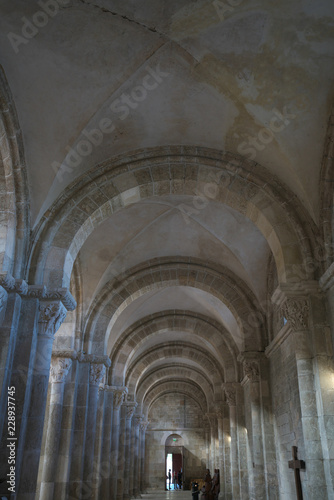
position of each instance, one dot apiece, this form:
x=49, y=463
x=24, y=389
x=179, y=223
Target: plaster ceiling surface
x=228, y=77
x=171, y=298
x=159, y=228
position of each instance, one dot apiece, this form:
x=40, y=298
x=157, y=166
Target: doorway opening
x=174, y=463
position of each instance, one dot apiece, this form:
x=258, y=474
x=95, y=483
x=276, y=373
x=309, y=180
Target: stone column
x=58, y=374
x=96, y=376
x=220, y=461
x=231, y=397
x=130, y=409
x=67, y=428
x=51, y=316
x=227, y=477
x=119, y=393
x=143, y=484
x=106, y=441
x=251, y=370
x=137, y=419
x=303, y=307
x=207, y=441
x=80, y=405
x=213, y=422
x=9, y=318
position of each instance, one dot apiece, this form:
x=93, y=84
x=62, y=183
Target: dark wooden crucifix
x=297, y=465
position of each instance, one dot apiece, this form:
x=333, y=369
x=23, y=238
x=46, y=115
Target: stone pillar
x=67, y=428
x=119, y=393
x=96, y=376
x=303, y=307
x=137, y=419
x=227, y=477
x=99, y=470
x=213, y=422
x=80, y=406
x=106, y=441
x=220, y=461
x=143, y=484
x=130, y=409
x=9, y=318
x=251, y=370
x=51, y=316
x=58, y=374
x=207, y=441
x=231, y=397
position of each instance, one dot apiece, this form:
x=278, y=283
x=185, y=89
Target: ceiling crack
x=103, y=9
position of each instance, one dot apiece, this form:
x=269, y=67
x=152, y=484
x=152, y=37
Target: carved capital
x=251, y=370
x=231, y=394
x=136, y=421
x=7, y=282
x=36, y=292
x=144, y=425
x=63, y=295
x=219, y=411
x=119, y=394
x=66, y=353
x=96, y=374
x=59, y=369
x=51, y=316
x=296, y=310
x=130, y=410
x=94, y=358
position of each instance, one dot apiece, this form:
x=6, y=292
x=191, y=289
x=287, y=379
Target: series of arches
x=174, y=350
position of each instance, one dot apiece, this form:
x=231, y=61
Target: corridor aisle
x=168, y=495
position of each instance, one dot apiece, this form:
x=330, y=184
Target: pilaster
x=303, y=307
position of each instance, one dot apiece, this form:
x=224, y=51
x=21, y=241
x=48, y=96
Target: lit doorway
x=174, y=453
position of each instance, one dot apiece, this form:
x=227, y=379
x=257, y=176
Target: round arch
x=169, y=351
x=160, y=273
x=14, y=194
x=238, y=183
x=172, y=373
x=197, y=324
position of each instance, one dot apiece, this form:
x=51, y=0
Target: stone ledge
x=327, y=279
x=282, y=335
x=40, y=292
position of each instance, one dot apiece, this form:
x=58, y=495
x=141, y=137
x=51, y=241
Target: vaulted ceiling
x=142, y=79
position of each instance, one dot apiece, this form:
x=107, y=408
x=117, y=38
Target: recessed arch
x=14, y=195
x=159, y=273
x=174, y=372
x=175, y=387
x=170, y=351
x=240, y=184
x=201, y=326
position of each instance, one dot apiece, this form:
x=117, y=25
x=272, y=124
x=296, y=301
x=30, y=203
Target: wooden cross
x=297, y=465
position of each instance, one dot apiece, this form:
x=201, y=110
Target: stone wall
x=287, y=415
x=174, y=414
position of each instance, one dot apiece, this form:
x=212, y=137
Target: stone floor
x=168, y=495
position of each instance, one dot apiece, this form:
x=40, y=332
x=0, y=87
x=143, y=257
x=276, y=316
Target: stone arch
x=324, y=256
x=170, y=350
x=240, y=184
x=175, y=387
x=14, y=195
x=167, y=434
x=202, y=326
x=162, y=272
x=168, y=373
x=169, y=439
